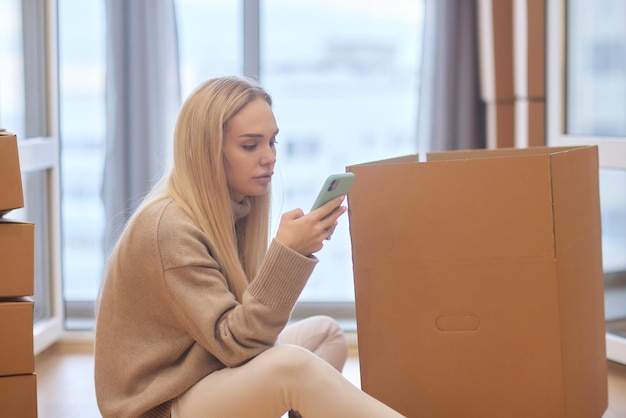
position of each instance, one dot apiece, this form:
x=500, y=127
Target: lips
x=265, y=176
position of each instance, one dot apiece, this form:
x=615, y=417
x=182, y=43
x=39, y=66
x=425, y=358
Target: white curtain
x=451, y=112
x=143, y=97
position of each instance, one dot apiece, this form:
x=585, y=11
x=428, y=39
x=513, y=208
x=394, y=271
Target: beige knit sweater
x=167, y=318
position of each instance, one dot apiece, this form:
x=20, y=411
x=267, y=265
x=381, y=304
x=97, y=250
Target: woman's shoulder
x=163, y=217
x=167, y=214
x=172, y=222
x=163, y=209
x=179, y=239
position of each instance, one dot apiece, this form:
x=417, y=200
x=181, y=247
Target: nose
x=269, y=156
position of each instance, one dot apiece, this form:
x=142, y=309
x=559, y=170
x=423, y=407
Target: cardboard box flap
x=580, y=274
x=575, y=185
x=495, y=217
x=411, y=158
x=9, y=221
x=499, y=153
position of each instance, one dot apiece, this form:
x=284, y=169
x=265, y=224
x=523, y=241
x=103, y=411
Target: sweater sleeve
x=233, y=332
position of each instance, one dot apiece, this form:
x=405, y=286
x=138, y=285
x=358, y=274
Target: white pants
x=302, y=372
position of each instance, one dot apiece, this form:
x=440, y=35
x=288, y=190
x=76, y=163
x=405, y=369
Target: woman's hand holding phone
x=305, y=234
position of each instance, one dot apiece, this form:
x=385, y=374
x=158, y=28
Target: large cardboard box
x=18, y=396
x=479, y=285
x=17, y=268
x=11, y=193
x=16, y=337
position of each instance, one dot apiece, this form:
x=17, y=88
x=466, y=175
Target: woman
x=193, y=308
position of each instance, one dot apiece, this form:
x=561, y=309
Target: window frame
x=41, y=155
x=39, y=150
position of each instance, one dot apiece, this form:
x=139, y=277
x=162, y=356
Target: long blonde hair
x=197, y=180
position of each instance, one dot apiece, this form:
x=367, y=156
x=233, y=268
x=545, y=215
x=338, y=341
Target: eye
x=249, y=147
x=273, y=142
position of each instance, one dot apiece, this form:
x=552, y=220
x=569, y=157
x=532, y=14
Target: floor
x=65, y=387
x=65, y=382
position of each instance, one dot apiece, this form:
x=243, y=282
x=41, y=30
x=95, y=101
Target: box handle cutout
x=457, y=323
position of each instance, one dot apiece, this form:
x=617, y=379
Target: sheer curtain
x=451, y=112
x=143, y=96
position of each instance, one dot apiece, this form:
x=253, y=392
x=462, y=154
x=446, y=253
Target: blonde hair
x=197, y=180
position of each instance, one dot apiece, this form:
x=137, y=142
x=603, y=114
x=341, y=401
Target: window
x=596, y=70
x=82, y=65
x=28, y=109
x=343, y=76
x=208, y=53
x=587, y=106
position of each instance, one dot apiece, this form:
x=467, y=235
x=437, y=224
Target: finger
x=293, y=214
x=333, y=217
x=329, y=207
x=331, y=230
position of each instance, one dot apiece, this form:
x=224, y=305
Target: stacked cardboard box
x=512, y=56
x=18, y=384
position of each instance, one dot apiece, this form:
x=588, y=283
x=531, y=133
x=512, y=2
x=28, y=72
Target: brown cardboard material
x=479, y=285
x=18, y=396
x=512, y=48
x=536, y=123
x=17, y=269
x=505, y=123
x=16, y=337
x=503, y=48
x=536, y=12
x=496, y=50
x=501, y=124
x=11, y=193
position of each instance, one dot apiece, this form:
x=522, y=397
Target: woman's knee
x=334, y=348
x=330, y=329
x=327, y=324
x=292, y=364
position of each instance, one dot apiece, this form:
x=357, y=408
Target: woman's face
x=250, y=150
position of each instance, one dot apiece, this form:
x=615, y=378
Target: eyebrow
x=255, y=135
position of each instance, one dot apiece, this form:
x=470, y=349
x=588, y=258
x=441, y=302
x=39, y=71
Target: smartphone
x=335, y=185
